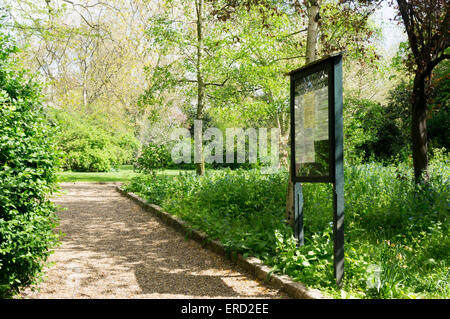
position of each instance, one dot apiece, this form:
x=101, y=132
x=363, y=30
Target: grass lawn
x=124, y=173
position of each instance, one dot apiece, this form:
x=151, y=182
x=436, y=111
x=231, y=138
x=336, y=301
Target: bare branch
x=218, y=84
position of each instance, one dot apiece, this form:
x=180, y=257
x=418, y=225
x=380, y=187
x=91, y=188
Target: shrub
x=153, y=157
x=28, y=160
x=90, y=147
x=374, y=131
x=439, y=110
x=438, y=128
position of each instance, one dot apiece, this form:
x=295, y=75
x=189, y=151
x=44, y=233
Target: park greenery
x=92, y=91
x=392, y=226
x=28, y=158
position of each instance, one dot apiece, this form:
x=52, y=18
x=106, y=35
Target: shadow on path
x=114, y=249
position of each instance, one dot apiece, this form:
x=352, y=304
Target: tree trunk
x=313, y=30
x=200, y=164
x=283, y=140
x=85, y=99
x=311, y=45
x=419, y=128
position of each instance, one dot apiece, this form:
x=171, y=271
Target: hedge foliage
x=28, y=160
x=88, y=146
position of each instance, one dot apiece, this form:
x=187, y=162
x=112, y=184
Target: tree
x=313, y=8
x=90, y=54
x=257, y=91
x=191, y=59
x=339, y=25
x=427, y=24
x=352, y=26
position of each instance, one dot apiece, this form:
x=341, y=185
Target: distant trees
x=220, y=61
x=90, y=54
x=191, y=58
x=231, y=68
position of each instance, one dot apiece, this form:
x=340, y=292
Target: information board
x=317, y=146
x=312, y=143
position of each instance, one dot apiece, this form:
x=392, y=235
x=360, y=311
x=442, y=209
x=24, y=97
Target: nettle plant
x=28, y=160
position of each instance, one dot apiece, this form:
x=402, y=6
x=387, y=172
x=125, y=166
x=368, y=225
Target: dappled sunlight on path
x=114, y=249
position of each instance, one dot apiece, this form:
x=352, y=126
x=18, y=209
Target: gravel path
x=114, y=249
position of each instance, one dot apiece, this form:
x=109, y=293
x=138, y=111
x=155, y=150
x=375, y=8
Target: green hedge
x=28, y=160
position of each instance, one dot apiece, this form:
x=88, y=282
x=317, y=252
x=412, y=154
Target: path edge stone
x=253, y=265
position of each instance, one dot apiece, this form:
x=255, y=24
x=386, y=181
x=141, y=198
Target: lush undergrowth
x=396, y=232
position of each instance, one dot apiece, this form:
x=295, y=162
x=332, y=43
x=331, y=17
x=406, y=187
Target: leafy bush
x=90, y=147
x=153, y=157
x=374, y=131
x=28, y=160
x=382, y=132
x=438, y=127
